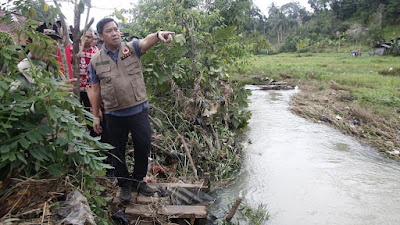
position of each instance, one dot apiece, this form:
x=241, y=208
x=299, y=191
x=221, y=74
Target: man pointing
x=117, y=81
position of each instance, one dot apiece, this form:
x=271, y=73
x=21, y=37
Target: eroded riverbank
x=334, y=106
x=309, y=173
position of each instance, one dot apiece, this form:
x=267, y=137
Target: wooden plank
x=136, y=210
x=182, y=185
x=141, y=199
x=171, y=211
x=183, y=211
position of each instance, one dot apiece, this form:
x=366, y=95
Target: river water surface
x=309, y=173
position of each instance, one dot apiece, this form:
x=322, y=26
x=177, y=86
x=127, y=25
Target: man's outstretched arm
x=152, y=39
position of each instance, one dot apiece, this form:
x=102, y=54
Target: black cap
x=50, y=30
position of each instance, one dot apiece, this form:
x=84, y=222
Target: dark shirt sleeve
x=136, y=47
x=93, y=75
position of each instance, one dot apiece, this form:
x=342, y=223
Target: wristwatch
x=158, y=35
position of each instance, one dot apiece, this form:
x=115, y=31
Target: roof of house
x=17, y=22
x=382, y=45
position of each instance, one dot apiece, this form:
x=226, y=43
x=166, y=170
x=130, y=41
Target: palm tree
x=280, y=24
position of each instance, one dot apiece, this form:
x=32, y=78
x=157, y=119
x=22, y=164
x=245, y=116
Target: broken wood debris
x=183, y=201
x=234, y=208
x=276, y=87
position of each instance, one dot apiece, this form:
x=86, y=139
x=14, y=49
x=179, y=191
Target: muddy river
x=310, y=173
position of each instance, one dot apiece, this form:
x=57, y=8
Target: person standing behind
x=117, y=80
x=94, y=42
x=86, y=55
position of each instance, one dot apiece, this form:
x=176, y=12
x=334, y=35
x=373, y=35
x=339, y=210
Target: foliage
x=40, y=124
x=363, y=21
x=42, y=128
x=248, y=214
x=301, y=44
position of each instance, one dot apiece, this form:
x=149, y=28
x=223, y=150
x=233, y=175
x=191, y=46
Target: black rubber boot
x=142, y=188
x=125, y=194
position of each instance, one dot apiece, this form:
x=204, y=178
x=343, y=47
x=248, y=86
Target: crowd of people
x=112, y=87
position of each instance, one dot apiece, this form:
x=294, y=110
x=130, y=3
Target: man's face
x=111, y=35
x=94, y=42
x=88, y=38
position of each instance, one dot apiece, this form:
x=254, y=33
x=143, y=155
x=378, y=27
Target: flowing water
x=310, y=173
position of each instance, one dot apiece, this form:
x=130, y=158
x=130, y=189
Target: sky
x=103, y=8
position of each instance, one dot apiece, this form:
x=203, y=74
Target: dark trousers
x=86, y=102
x=118, y=129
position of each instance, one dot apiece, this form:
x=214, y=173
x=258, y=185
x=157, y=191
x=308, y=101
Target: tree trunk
x=277, y=33
x=76, y=35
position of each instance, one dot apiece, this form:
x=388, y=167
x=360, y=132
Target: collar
x=106, y=50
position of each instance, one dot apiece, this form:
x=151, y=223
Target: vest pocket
x=132, y=65
x=139, y=91
x=133, y=69
x=102, y=71
x=108, y=96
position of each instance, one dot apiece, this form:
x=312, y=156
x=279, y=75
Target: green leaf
x=180, y=39
x=56, y=169
x=21, y=157
x=46, y=7
x=12, y=157
x=14, y=145
x=61, y=141
x=6, y=125
x=24, y=143
x=36, y=154
x=100, y=201
x=6, y=55
x=4, y=149
x=86, y=159
x=52, y=113
x=37, y=136
x=32, y=13
x=9, y=79
x=77, y=132
x=81, y=7
x=32, y=137
x=19, y=109
x=5, y=156
x=118, y=14
x=99, y=158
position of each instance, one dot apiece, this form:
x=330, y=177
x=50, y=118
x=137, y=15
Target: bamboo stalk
x=189, y=156
x=234, y=208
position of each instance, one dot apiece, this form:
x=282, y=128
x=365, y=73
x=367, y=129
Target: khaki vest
x=122, y=84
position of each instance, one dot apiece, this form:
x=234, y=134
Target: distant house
x=379, y=49
x=17, y=22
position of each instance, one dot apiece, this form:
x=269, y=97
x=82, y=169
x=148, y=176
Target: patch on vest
x=126, y=55
x=102, y=63
x=125, y=50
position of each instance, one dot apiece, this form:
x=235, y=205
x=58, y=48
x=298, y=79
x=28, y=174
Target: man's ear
x=101, y=37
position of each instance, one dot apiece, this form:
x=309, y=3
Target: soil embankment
x=334, y=106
